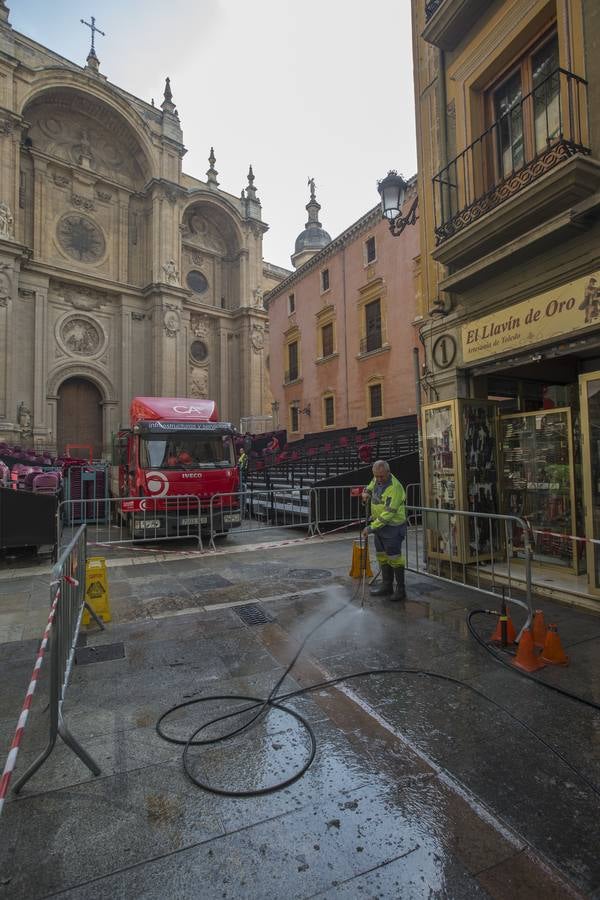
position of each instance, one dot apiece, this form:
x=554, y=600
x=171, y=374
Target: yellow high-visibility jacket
x=389, y=508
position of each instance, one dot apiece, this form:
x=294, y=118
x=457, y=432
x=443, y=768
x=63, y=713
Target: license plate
x=147, y=523
x=231, y=517
x=194, y=520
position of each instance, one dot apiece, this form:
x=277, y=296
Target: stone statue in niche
x=199, y=385
x=6, y=220
x=83, y=149
x=80, y=336
x=171, y=273
x=24, y=419
x=258, y=298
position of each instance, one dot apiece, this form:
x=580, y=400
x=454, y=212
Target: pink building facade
x=342, y=331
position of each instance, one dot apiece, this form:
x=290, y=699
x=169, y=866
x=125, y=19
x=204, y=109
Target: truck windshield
x=187, y=451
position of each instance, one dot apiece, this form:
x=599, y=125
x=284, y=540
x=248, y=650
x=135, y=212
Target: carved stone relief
x=6, y=220
x=257, y=337
x=200, y=230
x=80, y=297
x=82, y=202
x=200, y=324
x=87, y=136
x=80, y=336
x=5, y=284
x=199, y=382
x=103, y=195
x=6, y=126
x=171, y=322
x=61, y=180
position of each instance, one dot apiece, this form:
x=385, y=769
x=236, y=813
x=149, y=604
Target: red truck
x=175, y=446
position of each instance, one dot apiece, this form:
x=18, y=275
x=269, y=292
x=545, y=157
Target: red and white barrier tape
x=14, y=747
x=566, y=537
x=134, y=546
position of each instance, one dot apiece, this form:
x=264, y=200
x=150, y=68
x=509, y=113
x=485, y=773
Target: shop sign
x=572, y=307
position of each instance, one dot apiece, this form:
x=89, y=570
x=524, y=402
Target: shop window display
x=481, y=472
x=440, y=464
x=461, y=473
x=538, y=482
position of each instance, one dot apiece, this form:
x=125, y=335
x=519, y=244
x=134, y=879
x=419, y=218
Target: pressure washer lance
x=364, y=556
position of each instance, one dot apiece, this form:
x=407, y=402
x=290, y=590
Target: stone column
x=40, y=366
x=40, y=231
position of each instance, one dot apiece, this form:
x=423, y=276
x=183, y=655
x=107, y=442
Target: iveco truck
x=174, y=451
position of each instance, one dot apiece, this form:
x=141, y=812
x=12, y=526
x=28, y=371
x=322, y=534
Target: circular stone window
x=80, y=238
x=197, y=282
x=199, y=351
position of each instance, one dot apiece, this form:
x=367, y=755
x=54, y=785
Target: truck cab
x=175, y=467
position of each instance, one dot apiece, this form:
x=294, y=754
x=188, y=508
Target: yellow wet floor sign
x=96, y=589
x=361, y=564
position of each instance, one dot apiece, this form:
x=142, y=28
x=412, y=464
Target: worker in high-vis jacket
x=387, y=524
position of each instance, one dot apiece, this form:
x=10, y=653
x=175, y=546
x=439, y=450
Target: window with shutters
x=328, y=410
x=375, y=400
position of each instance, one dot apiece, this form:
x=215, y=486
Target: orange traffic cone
x=526, y=658
x=553, y=652
x=539, y=629
x=511, y=633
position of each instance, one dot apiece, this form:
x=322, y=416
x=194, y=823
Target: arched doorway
x=79, y=415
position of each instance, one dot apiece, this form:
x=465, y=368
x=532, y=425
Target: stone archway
x=79, y=415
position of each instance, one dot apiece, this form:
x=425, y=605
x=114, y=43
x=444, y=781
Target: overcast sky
x=319, y=88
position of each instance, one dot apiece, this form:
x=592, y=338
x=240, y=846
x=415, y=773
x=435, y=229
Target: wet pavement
x=420, y=786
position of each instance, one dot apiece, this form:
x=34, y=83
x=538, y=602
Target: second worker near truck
x=387, y=524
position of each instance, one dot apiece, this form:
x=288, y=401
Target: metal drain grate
x=253, y=614
x=84, y=656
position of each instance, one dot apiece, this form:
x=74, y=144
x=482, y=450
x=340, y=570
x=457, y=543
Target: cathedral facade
x=120, y=275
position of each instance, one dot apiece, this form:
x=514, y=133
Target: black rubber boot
x=387, y=582
x=400, y=591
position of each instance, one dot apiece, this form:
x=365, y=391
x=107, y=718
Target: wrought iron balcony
x=543, y=129
x=432, y=7
x=371, y=342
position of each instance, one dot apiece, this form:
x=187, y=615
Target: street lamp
x=392, y=190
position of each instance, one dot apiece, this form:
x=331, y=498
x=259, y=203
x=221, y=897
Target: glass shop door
x=590, y=425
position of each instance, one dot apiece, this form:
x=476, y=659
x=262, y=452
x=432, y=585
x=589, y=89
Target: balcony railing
x=371, y=342
x=291, y=375
x=544, y=128
x=431, y=7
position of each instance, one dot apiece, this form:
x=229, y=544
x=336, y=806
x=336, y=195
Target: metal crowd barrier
x=335, y=505
x=265, y=509
x=458, y=546
x=128, y=520
x=67, y=593
x=471, y=548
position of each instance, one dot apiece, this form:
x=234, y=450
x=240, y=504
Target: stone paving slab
x=417, y=789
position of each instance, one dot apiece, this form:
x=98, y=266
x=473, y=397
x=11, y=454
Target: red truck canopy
x=172, y=409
